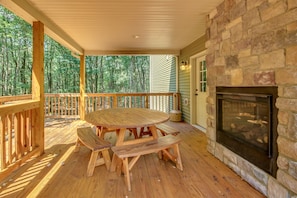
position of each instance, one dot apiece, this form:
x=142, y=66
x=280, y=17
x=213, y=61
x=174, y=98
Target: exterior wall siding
x=163, y=73
x=184, y=76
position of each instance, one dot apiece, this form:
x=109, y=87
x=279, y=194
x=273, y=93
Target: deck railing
x=17, y=134
x=18, y=115
x=67, y=104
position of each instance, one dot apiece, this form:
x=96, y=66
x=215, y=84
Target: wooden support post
x=82, y=87
x=38, y=84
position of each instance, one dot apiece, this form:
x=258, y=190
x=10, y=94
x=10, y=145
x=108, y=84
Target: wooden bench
x=168, y=145
x=164, y=128
x=87, y=137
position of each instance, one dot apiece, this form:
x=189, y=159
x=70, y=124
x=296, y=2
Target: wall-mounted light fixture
x=184, y=65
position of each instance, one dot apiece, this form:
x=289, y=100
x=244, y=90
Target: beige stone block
x=293, y=169
x=291, y=56
x=219, y=61
x=286, y=76
x=236, y=33
x=244, y=53
x=226, y=47
x=288, y=181
x=283, y=117
x=283, y=163
x=250, y=19
x=210, y=148
x=248, y=74
x=211, y=133
x=275, y=59
x=234, y=22
x=286, y=104
x=292, y=26
x=236, y=77
x=219, y=152
x=226, y=35
x=287, y=147
x=213, y=13
x=282, y=130
x=254, y=182
x=292, y=4
x=275, y=189
x=292, y=126
x=254, y=3
x=272, y=1
x=230, y=156
x=276, y=9
x=290, y=92
x=261, y=175
x=280, y=91
x=249, y=61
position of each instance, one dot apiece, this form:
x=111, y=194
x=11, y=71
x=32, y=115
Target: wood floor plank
x=62, y=173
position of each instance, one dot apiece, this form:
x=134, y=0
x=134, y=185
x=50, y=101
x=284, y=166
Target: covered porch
x=60, y=172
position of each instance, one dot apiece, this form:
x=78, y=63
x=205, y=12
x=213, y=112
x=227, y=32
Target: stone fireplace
x=246, y=120
x=253, y=43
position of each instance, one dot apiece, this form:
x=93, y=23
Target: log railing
x=67, y=104
x=158, y=101
x=17, y=139
x=61, y=105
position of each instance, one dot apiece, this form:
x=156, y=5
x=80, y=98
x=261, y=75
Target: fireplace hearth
x=246, y=124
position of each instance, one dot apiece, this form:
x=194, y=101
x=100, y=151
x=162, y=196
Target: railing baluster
x=10, y=138
x=3, y=142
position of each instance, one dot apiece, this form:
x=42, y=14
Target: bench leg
x=106, y=157
x=176, y=152
x=127, y=173
x=92, y=163
x=174, y=156
x=77, y=145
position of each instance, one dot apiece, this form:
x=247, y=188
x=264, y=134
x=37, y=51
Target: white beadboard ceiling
x=96, y=27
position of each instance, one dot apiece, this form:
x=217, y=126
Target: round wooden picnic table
x=124, y=118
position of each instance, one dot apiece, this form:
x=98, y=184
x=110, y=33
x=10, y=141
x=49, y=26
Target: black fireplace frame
x=263, y=160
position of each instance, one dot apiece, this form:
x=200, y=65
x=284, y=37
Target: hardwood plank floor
x=62, y=173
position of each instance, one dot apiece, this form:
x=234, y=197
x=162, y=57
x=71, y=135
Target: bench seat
x=86, y=137
x=168, y=145
x=164, y=128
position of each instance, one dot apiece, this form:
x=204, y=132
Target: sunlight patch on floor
x=38, y=188
x=15, y=185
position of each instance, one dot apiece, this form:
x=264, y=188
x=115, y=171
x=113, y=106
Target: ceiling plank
x=51, y=26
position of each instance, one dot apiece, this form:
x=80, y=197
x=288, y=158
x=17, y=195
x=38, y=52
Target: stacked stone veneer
x=253, y=43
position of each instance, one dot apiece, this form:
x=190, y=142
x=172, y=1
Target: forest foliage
x=104, y=74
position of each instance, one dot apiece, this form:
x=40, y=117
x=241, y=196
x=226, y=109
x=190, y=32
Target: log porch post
x=38, y=84
x=82, y=87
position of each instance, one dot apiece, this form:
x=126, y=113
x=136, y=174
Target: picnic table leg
x=120, y=139
x=153, y=130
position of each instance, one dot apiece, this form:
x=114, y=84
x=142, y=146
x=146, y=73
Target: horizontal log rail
x=5, y=99
x=17, y=139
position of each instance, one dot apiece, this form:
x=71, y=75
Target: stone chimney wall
x=254, y=43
